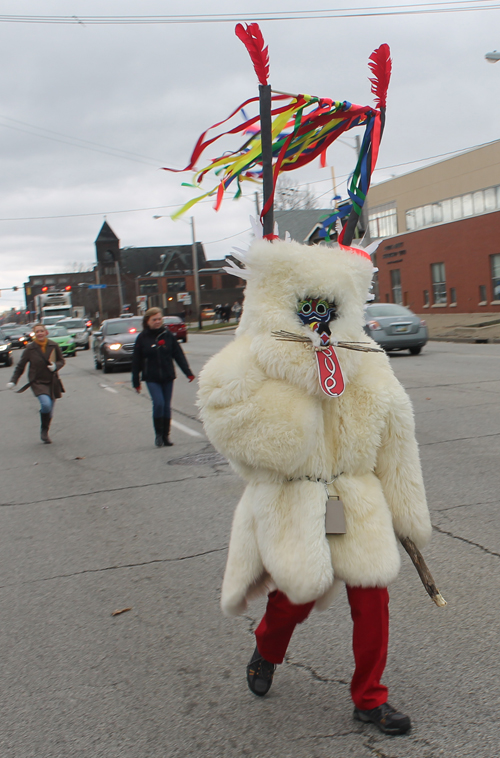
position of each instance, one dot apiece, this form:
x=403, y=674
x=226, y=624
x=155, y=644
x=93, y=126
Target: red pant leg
x=276, y=628
x=370, y=639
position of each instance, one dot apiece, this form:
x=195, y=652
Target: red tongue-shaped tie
x=329, y=371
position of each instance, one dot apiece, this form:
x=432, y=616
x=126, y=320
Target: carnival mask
x=318, y=312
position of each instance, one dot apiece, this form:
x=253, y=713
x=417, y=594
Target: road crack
x=213, y=475
x=120, y=566
x=459, y=439
x=314, y=674
x=467, y=542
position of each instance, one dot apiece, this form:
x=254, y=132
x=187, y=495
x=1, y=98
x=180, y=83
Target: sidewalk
x=463, y=327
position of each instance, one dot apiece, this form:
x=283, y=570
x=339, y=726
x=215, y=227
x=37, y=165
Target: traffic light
x=15, y=289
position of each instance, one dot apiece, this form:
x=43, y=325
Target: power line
x=176, y=205
x=458, y=6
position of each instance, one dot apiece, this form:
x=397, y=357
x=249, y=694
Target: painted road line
x=110, y=389
x=185, y=429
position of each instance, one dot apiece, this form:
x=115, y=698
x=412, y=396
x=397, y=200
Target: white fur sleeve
x=400, y=473
x=253, y=420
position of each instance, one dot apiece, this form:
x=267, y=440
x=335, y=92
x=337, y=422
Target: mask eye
x=321, y=309
x=305, y=307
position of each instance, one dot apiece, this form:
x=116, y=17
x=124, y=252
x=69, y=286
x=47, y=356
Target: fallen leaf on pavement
x=122, y=610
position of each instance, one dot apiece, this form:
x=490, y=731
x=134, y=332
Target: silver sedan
x=395, y=327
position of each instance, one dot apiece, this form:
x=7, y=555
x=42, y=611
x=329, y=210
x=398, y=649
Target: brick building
x=441, y=230
x=161, y=274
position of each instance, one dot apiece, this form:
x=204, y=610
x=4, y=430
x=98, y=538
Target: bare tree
x=289, y=196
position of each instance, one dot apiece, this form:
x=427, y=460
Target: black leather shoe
x=260, y=674
x=386, y=718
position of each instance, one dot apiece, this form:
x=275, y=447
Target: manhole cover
x=203, y=459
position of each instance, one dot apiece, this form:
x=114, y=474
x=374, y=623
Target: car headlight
x=115, y=346
x=3, y=347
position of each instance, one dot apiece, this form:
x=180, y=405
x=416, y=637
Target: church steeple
x=107, y=245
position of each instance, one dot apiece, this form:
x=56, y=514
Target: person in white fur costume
x=263, y=407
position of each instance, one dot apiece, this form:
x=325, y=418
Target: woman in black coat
x=155, y=351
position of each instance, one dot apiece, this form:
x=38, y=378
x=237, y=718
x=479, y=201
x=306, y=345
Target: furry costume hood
x=279, y=275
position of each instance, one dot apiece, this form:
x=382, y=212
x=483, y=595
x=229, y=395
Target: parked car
x=208, y=313
x=5, y=350
x=78, y=329
x=177, y=326
x=17, y=335
x=62, y=337
x=114, y=342
x=395, y=327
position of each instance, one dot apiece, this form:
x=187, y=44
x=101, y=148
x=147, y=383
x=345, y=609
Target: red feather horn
x=380, y=64
x=254, y=42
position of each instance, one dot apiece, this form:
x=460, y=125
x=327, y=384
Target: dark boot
x=386, y=718
x=260, y=674
x=44, y=431
x=166, y=433
x=158, y=425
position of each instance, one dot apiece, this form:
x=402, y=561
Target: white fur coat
x=263, y=408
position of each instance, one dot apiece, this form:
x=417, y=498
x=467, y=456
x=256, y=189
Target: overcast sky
x=142, y=94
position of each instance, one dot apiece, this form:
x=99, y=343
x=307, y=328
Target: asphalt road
x=101, y=520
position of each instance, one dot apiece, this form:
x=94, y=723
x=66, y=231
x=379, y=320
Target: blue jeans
x=46, y=404
x=161, y=395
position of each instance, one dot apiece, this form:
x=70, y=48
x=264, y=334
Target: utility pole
x=99, y=296
x=196, y=277
x=119, y=283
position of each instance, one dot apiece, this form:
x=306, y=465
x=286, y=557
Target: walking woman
x=155, y=350
x=45, y=359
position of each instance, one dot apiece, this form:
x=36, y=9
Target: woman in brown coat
x=45, y=359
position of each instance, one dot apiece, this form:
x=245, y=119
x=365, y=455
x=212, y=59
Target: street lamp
x=492, y=57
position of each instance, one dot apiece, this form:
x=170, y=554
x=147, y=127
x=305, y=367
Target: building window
x=482, y=294
x=426, y=298
x=148, y=288
x=108, y=271
x=37, y=281
x=396, y=286
x=383, y=222
x=438, y=283
x=387, y=300
x=454, y=208
x=495, y=275
x=176, y=285
x=453, y=296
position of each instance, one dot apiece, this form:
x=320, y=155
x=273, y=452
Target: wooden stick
x=423, y=571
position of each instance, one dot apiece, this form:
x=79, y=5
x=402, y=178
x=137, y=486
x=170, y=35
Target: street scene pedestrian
x=45, y=359
x=155, y=351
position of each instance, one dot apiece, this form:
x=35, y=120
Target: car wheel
x=107, y=369
x=9, y=361
x=184, y=339
x=415, y=350
x=87, y=346
x=97, y=363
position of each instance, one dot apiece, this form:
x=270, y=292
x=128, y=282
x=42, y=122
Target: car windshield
x=379, y=311
x=76, y=323
x=57, y=331
x=132, y=325
x=172, y=320
x=16, y=332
